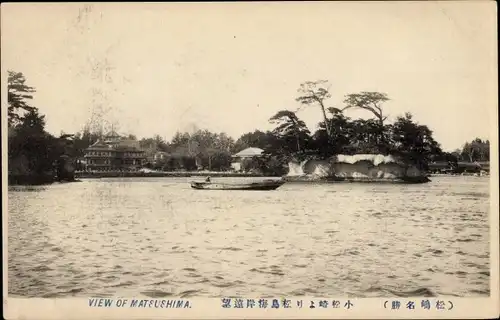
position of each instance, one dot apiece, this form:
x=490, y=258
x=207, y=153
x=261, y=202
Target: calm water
x=157, y=237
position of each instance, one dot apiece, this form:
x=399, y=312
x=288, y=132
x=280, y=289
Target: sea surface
x=157, y=237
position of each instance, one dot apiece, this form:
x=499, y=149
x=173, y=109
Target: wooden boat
x=262, y=185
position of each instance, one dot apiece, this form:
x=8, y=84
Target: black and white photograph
x=264, y=155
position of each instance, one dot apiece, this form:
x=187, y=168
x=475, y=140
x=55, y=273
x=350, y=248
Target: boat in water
x=265, y=185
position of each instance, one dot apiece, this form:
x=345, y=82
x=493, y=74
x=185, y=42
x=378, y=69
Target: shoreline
x=33, y=181
x=186, y=174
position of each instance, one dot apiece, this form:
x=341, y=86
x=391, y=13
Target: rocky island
x=355, y=168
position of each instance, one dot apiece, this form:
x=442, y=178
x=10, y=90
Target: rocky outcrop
x=361, y=167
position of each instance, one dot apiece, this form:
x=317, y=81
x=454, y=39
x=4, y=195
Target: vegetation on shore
x=35, y=156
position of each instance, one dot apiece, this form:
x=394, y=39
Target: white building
x=247, y=153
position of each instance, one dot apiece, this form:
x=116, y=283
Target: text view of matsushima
x=341, y=149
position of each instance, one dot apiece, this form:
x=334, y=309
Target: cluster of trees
x=34, y=155
x=475, y=151
x=291, y=139
x=190, y=151
x=339, y=134
x=33, y=151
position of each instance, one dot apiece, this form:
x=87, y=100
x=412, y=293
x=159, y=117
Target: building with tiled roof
x=113, y=153
x=247, y=153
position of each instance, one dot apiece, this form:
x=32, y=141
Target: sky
x=228, y=67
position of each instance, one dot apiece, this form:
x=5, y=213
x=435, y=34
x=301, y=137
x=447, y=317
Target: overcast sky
x=156, y=69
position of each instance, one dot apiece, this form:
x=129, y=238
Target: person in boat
x=207, y=179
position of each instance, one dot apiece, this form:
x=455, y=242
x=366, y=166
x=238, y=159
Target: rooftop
x=249, y=152
x=122, y=145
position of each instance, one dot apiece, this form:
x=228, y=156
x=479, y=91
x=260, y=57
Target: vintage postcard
x=250, y=160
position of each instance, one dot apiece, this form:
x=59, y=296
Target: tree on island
x=335, y=141
x=315, y=92
x=290, y=127
x=339, y=134
x=18, y=94
x=371, y=101
x=412, y=141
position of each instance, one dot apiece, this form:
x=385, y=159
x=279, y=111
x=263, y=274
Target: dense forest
x=34, y=155
x=40, y=156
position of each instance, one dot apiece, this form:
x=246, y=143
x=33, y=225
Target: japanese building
x=114, y=153
x=239, y=157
